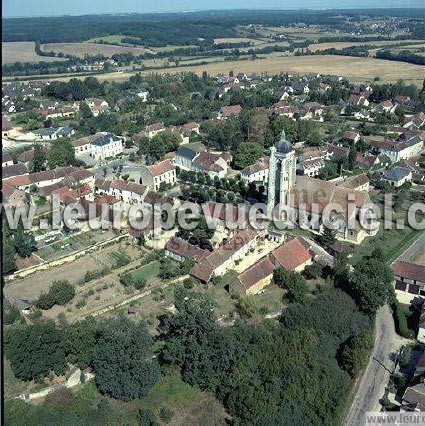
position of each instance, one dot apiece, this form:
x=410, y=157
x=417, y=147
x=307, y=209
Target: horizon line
x=213, y=10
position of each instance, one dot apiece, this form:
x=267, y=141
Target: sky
x=27, y=8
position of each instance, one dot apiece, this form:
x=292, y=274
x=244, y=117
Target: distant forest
x=182, y=28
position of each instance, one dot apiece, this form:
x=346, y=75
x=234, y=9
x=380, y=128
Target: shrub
x=80, y=304
x=126, y=280
x=400, y=318
x=165, y=414
x=45, y=301
x=146, y=417
x=62, y=292
x=188, y=283
x=61, y=397
x=313, y=271
x=141, y=283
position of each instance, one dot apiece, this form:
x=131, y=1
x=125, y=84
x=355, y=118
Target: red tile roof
x=161, y=168
x=230, y=110
x=292, y=254
x=409, y=270
x=257, y=272
x=13, y=170
x=183, y=248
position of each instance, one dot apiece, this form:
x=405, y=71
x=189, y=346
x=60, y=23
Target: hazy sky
x=14, y=8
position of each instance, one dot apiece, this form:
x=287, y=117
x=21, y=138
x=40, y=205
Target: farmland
x=86, y=48
x=22, y=51
x=342, y=44
x=354, y=68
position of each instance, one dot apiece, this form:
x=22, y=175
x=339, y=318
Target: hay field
x=237, y=40
x=22, y=51
x=356, y=69
x=86, y=48
x=171, y=47
x=342, y=44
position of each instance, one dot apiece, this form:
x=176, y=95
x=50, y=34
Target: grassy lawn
x=189, y=405
x=392, y=242
x=271, y=299
x=146, y=272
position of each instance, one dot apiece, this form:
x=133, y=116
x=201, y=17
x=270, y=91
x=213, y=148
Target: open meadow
x=86, y=48
x=343, y=44
x=22, y=51
x=354, y=68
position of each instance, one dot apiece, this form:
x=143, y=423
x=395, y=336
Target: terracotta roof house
x=6, y=159
x=12, y=196
x=409, y=277
x=180, y=250
x=223, y=216
x=255, y=278
x=229, y=111
x=211, y=164
x=5, y=126
x=337, y=151
x=257, y=172
x=358, y=182
x=153, y=227
x=293, y=255
x=162, y=172
x=351, y=137
x=153, y=129
x=221, y=260
x=14, y=170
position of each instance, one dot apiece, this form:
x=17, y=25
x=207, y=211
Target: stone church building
x=296, y=199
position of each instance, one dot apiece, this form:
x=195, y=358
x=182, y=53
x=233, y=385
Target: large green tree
x=247, y=154
x=371, y=285
x=81, y=342
x=35, y=350
x=23, y=241
x=122, y=359
x=39, y=158
x=61, y=153
x=354, y=354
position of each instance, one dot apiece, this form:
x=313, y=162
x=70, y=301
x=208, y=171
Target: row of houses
x=293, y=255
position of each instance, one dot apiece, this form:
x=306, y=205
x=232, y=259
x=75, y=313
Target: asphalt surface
x=372, y=384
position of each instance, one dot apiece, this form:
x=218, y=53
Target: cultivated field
x=22, y=51
x=85, y=48
x=171, y=47
x=342, y=44
x=354, y=68
x=34, y=284
x=236, y=40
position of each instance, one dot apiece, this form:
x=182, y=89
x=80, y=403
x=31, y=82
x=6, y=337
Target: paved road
x=372, y=385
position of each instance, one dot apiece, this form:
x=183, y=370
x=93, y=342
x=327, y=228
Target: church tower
x=282, y=172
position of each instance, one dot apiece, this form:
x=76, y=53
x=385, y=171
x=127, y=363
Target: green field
x=146, y=272
x=171, y=47
x=114, y=38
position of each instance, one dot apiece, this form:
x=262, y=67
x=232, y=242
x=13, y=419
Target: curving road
x=372, y=384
